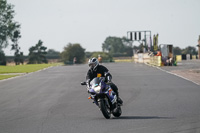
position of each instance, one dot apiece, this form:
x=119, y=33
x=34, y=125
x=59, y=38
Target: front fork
x=97, y=102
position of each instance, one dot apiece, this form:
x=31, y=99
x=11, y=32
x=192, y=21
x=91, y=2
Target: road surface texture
x=53, y=101
x=189, y=70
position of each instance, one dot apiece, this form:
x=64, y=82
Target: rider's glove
x=109, y=79
x=88, y=85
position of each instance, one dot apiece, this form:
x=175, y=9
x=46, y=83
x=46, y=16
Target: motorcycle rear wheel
x=105, y=109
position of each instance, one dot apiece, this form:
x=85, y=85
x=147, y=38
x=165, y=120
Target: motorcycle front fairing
x=97, y=89
x=111, y=95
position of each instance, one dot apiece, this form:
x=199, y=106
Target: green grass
x=9, y=71
x=24, y=68
x=6, y=76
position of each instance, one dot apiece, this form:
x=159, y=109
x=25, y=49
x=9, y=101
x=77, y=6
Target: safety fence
x=141, y=58
x=155, y=61
x=148, y=59
x=123, y=60
x=179, y=58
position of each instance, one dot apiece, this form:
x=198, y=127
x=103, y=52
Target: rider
x=97, y=70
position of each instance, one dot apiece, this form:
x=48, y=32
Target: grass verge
x=11, y=71
x=24, y=68
x=7, y=76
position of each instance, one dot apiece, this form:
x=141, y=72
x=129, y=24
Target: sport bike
x=104, y=97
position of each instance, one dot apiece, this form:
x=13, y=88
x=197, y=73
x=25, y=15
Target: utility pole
x=199, y=47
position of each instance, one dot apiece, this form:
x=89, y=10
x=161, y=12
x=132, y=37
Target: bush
x=106, y=57
x=72, y=52
x=2, y=58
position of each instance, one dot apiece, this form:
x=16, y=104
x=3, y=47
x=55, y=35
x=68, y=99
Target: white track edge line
x=178, y=75
x=18, y=76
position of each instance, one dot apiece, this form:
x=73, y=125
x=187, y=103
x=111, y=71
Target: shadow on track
x=140, y=117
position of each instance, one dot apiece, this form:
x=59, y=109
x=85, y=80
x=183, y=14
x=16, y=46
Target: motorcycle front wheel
x=117, y=112
x=105, y=108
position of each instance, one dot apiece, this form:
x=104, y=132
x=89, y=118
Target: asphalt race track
x=53, y=101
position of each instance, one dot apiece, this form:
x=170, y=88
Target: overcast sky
x=89, y=22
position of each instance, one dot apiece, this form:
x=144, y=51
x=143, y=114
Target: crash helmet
x=93, y=63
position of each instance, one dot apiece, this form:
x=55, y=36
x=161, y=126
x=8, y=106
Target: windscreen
x=95, y=82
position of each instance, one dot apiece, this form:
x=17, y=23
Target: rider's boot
x=119, y=100
x=115, y=89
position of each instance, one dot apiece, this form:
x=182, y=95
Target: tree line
x=188, y=50
x=111, y=47
x=9, y=30
x=10, y=35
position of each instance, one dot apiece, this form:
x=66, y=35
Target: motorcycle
x=104, y=97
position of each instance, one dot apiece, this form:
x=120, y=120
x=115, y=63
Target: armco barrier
x=146, y=58
x=135, y=58
x=155, y=60
x=141, y=58
x=178, y=58
x=124, y=60
x=194, y=57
